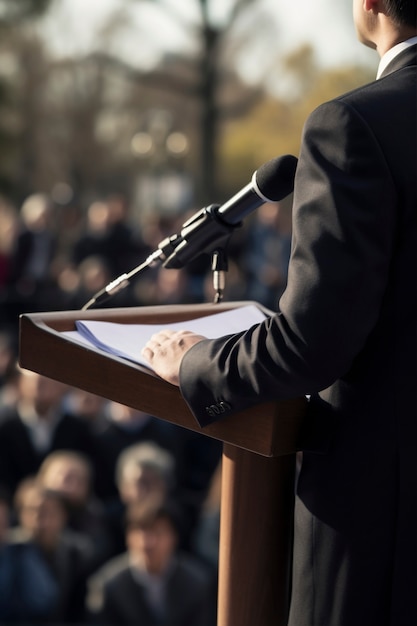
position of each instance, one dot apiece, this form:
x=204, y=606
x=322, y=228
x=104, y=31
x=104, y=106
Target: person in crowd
x=7, y=559
x=8, y=356
x=35, y=246
x=153, y=583
x=195, y=456
x=126, y=242
x=93, y=274
x=70, y=474
x=50, y=565
x=344, y=334
x=34, y=426
x=93, y=242
x=268, y=252
x=143, y=470
x=9, y=230
x=206, y=536
x=86, y=406
x=109, y=236
x=120, y=428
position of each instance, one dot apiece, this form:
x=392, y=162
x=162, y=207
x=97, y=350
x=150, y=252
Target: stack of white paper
x=127, y=340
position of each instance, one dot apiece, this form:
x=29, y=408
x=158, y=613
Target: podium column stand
x=255, y=538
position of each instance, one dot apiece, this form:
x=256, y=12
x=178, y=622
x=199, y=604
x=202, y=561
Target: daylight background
x=171, y=102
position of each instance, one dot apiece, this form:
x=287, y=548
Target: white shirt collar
x=393, y=52
x=40, y=429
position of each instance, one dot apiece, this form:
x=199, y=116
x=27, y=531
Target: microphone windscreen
x=275, y=178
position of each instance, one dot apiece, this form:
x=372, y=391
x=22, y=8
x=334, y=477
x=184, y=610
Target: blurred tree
x=13, y=14
x=211, y=74
x=274, y=126
x=14, y=11
x=72, y=119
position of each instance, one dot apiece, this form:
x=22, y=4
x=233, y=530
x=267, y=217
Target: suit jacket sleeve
x=343, y=232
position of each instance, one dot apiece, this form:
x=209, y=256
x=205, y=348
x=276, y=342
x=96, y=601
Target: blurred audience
x=34, y=426
x=87, y=406
x=28, y=279
x=144, y=470
x=109, y=236
x=206, y=537
x=153, y=583
x=9, y=228
x=70, y=474
x=8, y=356
x=50, y=563
x=73, y=464
x=267, y=253
x=120, y=428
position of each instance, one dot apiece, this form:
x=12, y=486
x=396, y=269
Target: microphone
x=210, y=227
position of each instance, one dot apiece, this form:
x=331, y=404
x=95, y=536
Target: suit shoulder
x=104, y=578
x=190, y=569
x=393, y=90
x=110, y=569
x=10, y=420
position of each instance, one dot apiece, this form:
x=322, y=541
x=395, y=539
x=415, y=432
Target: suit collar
x=403, y=59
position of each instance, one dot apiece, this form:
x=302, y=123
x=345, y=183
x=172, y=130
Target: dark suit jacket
x=189, y=597
x=346, y=334
x=18, y=457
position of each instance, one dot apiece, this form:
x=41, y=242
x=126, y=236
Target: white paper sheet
x=127, y=340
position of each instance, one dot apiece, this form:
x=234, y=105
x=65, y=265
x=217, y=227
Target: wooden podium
x=259, y=446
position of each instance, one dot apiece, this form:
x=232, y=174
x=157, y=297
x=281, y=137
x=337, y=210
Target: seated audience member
x=120, y=428
x=70, y=474
x=7, y=560
x=206, y=537
x=8, y=355
x=85, y=405
x=4, y=516
x=28, y=278
x=36, y=425
x=153, y=583
x=143, y=471
x=28, y=589
x=51, y=564
x=195, y=455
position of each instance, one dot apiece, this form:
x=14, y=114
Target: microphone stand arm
x=121, y=281
x=204, y=232
x=219, y=268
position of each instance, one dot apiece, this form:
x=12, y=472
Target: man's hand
x=164, y=351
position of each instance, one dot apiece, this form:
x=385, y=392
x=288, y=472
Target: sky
x=327, y=24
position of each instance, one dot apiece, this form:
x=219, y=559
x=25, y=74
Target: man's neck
x=391, y=37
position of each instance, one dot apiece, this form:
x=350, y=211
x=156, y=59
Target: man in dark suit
x=345, y=334
x=153, y=583
x=35, y=426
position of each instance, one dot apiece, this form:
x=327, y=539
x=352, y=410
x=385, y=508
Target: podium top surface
x=269, y=429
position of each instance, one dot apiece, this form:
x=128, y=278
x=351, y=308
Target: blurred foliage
x=13, y=12
x=275, y=126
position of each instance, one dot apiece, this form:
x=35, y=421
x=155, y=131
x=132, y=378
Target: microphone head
x=274, y=180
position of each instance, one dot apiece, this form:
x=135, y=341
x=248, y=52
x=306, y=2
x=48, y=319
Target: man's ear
x=373, y=6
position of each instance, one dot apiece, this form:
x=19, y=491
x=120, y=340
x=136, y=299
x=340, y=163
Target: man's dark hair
x=402, y=12
x=144, y=514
